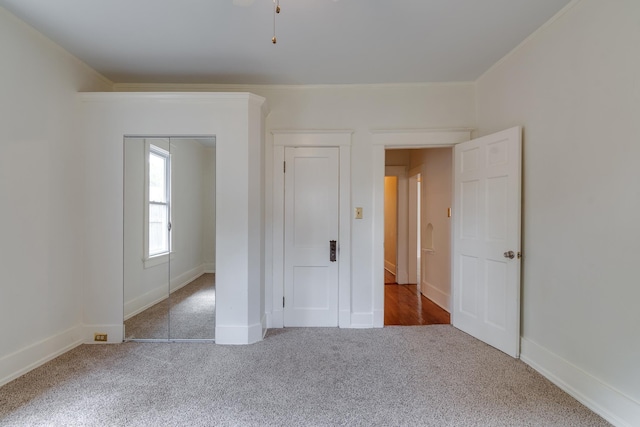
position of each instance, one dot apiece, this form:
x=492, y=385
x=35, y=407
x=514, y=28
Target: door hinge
x=282, y=301
x=284, y=167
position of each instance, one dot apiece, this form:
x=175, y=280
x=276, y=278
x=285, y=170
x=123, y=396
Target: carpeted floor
x=395, y=376
x=189, y=313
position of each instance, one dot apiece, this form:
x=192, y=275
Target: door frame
x=340, y=139
x=402, y=222
x=381, y=140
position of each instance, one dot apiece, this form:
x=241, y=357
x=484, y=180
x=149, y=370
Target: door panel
x=487, y=208
x=311, y=221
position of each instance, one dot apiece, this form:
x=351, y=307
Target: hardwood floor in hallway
x=404, y=305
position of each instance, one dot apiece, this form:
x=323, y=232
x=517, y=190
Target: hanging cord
x=276, y=9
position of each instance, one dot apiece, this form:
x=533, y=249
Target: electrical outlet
x=99, y=337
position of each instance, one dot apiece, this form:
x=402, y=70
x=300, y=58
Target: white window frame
x=160, y=147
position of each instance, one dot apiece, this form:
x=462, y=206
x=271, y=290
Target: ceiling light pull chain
x=276, y=9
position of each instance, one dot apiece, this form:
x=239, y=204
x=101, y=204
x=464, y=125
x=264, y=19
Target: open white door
x=486, y=239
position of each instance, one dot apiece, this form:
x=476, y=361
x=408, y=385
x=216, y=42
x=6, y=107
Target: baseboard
x=275, y=319
x=144, y=301
x=238, y=335
x=265, y=328
x=390, y=267
x=436, y=295
x=209, y=267
x=154, y=296
x=115, y=333
x=378, y=318
x=186, y=278
x=28, y=358
x=361, y=320
x=344, y=318
x=603, y=399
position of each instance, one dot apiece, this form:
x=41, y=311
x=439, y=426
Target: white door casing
x=311, y=223
x=282, y=139
x=383, y=139
x=486, y=227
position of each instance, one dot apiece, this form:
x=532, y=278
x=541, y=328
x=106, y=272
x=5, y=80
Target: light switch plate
x=358, y=213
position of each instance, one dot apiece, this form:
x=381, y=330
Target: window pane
x=157, y=178
x=158, y=229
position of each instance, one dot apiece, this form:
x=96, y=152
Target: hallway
x=404, y=305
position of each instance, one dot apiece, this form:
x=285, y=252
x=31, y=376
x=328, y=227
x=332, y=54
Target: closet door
x=191, y=266
x=147, y=237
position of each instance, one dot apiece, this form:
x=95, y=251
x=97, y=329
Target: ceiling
x=319, y=41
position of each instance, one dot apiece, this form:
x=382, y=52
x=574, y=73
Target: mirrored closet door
x=169, y=238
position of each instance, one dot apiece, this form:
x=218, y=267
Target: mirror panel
x=192, y=301
x=146, y=269
x=169, y=238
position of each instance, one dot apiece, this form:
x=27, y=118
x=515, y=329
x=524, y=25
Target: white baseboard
x=24, y=360
x=115, y=333
x=209, y=267
x=344, y=318
x=275, y=319
x=154, y=296
x=187, y=277
x=237, y=335
x=378, y=318
x=436, y=295
x=361, y=320
x=144, y=301
x=390, y=267
x=603, y=399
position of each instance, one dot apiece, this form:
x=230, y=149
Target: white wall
x=41, y=201
x=105, y=119
x=361, y=109
x=575, y=87
x=390, y=222
x=436, y=170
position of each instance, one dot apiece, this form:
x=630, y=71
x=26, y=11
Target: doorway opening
x=417, y=230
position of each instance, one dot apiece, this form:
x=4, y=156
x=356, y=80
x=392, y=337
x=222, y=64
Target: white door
x=311, y=223
x=486, y=239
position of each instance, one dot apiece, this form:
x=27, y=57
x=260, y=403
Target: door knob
x=510, y=254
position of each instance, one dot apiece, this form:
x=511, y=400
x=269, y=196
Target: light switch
x=358, y=213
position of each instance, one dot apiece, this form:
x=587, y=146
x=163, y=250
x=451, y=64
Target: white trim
x=168, y=96
x=396, y=139
x=156, y=260
x=390, y=267
x=115, y=333
x=238, y=335
x=402, y=223
x=209, y=267
x=20, y=362
x=214, y=87
x=160, y=147
x=154, y=296
x=436, y=295
x=159, y=293
x=310, y=138
x=361, y=320
x=419, y=138
x=603, y=399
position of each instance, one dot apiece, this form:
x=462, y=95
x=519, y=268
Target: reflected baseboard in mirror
x=187, y=314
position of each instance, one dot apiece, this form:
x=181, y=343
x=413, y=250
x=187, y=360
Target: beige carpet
x=395, y=376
